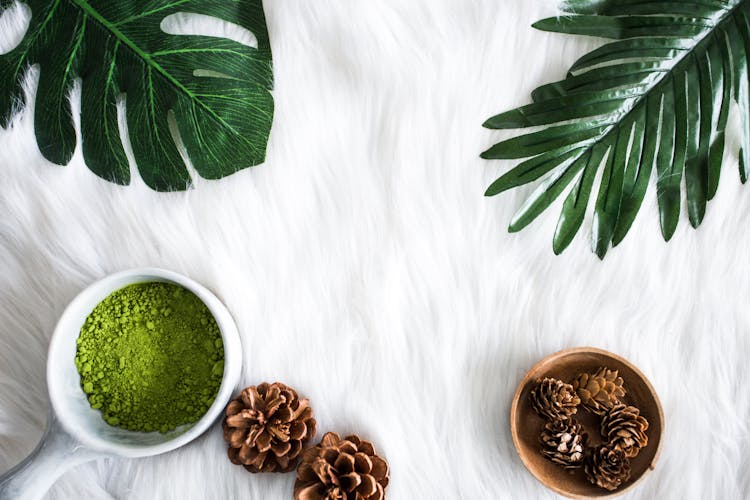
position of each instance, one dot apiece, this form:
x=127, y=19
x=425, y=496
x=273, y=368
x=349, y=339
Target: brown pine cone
x=563, y=443
x=554, y=399
x=341, y=469
x=607, y=468
x=266, y=427
x=599, y=391
x=625, y=429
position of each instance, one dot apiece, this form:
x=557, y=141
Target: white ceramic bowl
x=76, y=432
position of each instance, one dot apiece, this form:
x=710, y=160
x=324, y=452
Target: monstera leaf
x=655, y=101
x=217, y=89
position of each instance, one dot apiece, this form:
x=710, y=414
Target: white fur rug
x=365, y=268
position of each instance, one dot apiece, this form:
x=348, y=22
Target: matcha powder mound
x=150, y=357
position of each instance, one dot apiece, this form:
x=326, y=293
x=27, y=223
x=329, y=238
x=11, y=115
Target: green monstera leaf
x=218, y=90
x=654, y=102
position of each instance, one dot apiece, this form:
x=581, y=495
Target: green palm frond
x=218, y=89
x=655, y=100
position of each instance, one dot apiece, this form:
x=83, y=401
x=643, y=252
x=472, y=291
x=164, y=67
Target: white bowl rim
x=230, y=379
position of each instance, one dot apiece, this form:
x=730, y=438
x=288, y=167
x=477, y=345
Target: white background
x=366, y=269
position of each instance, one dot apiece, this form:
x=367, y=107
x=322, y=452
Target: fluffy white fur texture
x=365, y=268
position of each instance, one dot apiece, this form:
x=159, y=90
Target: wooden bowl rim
x=514, y=420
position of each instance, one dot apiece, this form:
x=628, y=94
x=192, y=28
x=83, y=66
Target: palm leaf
x=655, y=101
x=118, y=47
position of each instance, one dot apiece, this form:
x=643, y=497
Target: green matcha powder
x=150, y=357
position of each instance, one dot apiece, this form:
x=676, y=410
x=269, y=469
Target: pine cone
x=625, y=429
x=554, y=399
x=341, y=469
x=266, y=427
x=599, y=391
x=607, y=468
x=563, y=442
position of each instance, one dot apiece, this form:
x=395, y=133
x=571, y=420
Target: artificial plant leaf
x=218, y=90
x=574, y=207
x=655, y=100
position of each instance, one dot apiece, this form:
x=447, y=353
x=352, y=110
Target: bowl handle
x=57, y=452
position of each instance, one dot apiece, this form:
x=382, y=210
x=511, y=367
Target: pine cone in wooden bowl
x=622, y=429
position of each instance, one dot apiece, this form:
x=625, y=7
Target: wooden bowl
x=526, y=425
